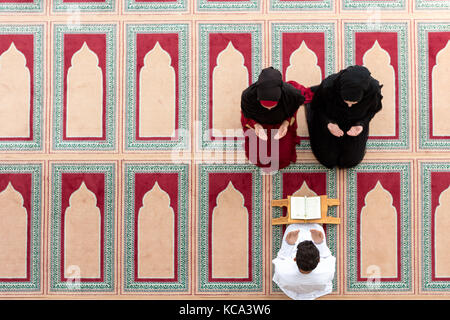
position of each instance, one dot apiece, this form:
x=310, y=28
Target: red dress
x=272, y=154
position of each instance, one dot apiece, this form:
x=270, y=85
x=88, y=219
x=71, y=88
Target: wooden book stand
x=324, y=204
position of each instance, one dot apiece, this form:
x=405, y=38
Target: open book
x=305, y=208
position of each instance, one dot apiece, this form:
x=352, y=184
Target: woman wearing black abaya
x=268, y=111
x=339, y=115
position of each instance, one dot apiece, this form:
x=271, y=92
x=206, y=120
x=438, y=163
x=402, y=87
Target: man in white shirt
x=304, y=266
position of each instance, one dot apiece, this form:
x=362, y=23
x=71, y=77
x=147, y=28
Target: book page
x=298, y=207
x=312, y=208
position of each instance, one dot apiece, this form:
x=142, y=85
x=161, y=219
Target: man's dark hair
x=307, y=256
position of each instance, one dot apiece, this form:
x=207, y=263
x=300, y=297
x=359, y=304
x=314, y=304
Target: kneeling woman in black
x=339, y=115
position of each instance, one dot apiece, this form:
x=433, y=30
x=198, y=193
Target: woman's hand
x=335, y=130
x=260, y=132
x=282, y=130
x=354, y=131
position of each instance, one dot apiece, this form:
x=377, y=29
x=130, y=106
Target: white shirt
x=296, y=285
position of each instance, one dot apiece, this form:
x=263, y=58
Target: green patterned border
x=373, y=5
x=133, y=6
x=204, y=85
x=60, y=6
x=277, y=193
x=329, y=29
x=38, y=81
x=182, y=285
x=432, y=5
x=280, y=5
x=34, y=285
x=251, y=5
x=182, y=143
x=424, y=117
x=109, y=170
x=110, y=77
x=401, y=29
x=257, y=241
x=425, y=173
x=405, y=228
x=36, y=6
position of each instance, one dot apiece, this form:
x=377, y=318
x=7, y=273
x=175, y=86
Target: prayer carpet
x=122, y=171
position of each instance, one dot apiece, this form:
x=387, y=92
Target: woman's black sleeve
x=375, y=107
x=319, y=104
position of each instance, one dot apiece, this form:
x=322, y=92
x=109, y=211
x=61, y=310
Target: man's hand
x=354, y=131
x=316, y=236
x=292, y=237
x=335, y=130
x=282, y=130
x=260, y=132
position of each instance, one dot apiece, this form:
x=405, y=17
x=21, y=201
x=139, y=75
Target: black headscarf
x=348, y=84
x=354, y=81
x=270, y=86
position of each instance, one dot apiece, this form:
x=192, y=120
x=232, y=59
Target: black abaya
x=328, y=106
